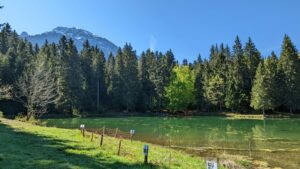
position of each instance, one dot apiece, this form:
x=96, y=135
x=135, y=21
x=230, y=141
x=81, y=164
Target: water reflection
x=273, y=139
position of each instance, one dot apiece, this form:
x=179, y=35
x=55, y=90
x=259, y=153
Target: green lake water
x=276, y=141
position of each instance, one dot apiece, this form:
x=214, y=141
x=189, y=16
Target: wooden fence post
x=103, y=132
x=119, y=149
x=101, y=140
x=92, y=136
x=116, y=132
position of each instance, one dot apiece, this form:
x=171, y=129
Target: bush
x=23, y=118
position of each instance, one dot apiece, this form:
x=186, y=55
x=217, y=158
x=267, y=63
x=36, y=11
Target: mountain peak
x=24, y=34
x=78, y=35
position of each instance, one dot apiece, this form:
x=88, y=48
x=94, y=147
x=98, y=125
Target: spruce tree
x=118, y=97
x=131, y=83
x=290, y=67
x=198, y=69
x=110, y=73
x=251, y=58
x=236, y=95
x=99, y=85
x=259, y=95
x=147, y=87
x=87, y=72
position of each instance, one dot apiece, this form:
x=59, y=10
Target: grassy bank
x=25, y=145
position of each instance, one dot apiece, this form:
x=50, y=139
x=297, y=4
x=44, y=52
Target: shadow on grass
x=26, y=150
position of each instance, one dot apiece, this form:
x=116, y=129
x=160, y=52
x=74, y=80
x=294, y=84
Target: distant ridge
x=78, y=35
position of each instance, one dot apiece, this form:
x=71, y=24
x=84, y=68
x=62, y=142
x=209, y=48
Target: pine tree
x=69, y=77
x=259, y=95
x=110, y=73
x=251, y=58
x=99, y=79
x=74, y=77
x=4, y=38
x=273, y=81
x=131, y=76
x=87, y=72
x=159, y=81
x=64, y=99
x=147, y=87
x=118, y=98
x=198, y=69
x=290, y=67
x=236, y=96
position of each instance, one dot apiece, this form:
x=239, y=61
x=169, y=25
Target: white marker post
x=146, y=150
x=82, y=129
x=132, y=131
x=211, y=164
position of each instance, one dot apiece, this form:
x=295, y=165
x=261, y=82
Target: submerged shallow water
x=276, y=141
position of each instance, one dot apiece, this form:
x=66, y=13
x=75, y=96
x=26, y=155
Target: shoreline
x=249, y=116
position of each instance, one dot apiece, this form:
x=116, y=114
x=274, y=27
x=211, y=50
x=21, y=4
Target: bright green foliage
x=260, y=90
x=215, y=91
x=181, y=91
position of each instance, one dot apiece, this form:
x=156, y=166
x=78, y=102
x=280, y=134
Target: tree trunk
x=98, y=97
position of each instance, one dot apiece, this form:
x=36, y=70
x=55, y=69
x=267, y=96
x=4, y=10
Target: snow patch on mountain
x=78, y=35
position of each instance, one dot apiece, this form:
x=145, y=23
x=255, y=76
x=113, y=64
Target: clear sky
x=188, y=27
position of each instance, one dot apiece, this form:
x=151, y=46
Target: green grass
x=24, y=145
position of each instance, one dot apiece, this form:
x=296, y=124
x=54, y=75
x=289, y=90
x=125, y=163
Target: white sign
x=211, y=164
x=132, y=132
x=82, y=126
x=146, y=149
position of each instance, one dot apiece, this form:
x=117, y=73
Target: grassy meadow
x=25, y=145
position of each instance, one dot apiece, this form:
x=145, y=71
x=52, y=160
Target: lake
x=276, y=141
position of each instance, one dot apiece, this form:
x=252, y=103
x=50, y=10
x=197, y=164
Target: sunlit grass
x=25, y=145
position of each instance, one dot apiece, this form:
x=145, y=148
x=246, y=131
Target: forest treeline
x=57, y=78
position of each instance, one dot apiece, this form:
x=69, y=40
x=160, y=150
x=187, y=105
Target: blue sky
x=188, y=27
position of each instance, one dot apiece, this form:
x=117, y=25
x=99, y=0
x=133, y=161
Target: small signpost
x=211, y=164
x=132, y=132
x=82, y=128
x=146, y=150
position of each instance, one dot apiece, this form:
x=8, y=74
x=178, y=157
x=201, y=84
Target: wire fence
x=117, y=133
